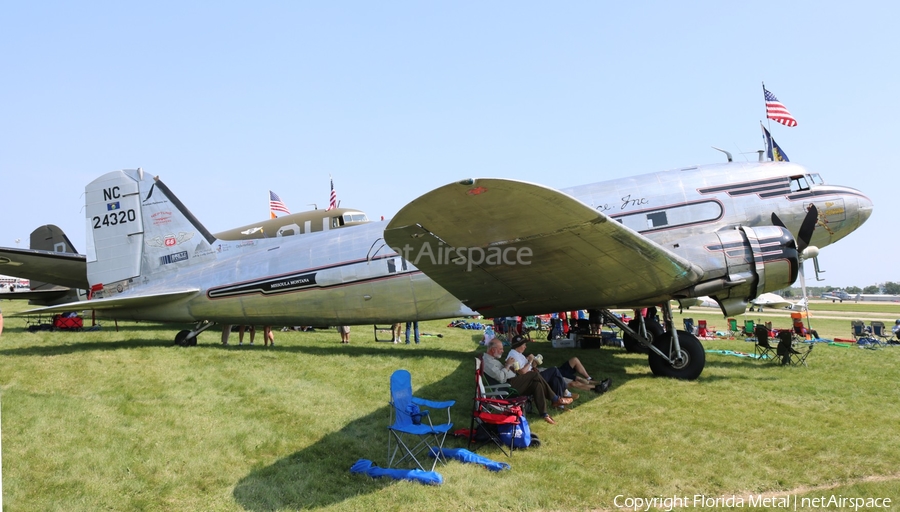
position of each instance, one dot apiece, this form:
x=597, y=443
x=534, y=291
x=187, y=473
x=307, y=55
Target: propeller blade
x=776, y=221
x=807, y=227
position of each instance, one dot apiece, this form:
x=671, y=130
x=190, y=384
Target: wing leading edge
x=540, y=250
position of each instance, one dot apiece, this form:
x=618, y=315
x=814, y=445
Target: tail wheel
x=687, y=364
x=182, y=340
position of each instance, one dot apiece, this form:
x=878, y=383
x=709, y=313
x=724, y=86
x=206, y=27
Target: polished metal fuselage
x=350, y=276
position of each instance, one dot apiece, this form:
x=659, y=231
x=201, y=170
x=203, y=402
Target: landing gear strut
x=675, y=353
x=188, y=338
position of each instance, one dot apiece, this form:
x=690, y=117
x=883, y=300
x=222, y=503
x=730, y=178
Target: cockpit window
x=799, y=183
x=355, y=217
x=815, y=179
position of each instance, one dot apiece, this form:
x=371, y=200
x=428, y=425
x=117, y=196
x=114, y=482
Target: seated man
x=527, y=384
x=522, y=365
x=896, y=330
x=569, y=374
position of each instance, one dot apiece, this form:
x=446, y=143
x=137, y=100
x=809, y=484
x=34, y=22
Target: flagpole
x=768, y=121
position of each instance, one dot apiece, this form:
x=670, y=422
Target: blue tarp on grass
x=416, y=475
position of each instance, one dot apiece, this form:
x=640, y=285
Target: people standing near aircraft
x=595, y=321
x=415, y=326
x=268, y=336
x=395, y=332
x=528, y=384
x=241, y=334
x=1, y=322
x=345, y=333
x=226, y=331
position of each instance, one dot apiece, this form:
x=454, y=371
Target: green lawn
x=126, y=421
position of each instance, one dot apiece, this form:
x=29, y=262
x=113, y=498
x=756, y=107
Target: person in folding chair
x=559, y=377
x=522, y=364
x=412, y=433
x=531, y=383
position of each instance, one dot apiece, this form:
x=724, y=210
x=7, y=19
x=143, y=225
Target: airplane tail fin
x=138, y=231
x=49, y=238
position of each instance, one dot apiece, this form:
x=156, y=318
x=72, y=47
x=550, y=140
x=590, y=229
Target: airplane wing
x=540, y=250
x=60, y=268
x=43, y=296
x=117, y=302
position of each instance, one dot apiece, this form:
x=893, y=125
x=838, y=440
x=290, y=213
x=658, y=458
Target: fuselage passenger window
x=657, y=219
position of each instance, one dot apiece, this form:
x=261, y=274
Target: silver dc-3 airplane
x=495, y=247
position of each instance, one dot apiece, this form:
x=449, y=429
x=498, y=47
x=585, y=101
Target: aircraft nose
x=863, y=208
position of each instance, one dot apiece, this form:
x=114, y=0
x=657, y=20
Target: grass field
x=126, y=421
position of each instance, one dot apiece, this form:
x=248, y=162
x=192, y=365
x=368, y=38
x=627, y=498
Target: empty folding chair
x=412, y=433
x=749, y=328
x=858, y=330
x=763, y=348
x=689, y=325
x=879, y=332
x=786, y=351
x=702, y=331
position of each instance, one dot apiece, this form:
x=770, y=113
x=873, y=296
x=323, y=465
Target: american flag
x=332, y=201
x=275, y=205
x=776, y=111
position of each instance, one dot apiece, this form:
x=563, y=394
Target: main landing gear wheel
x=182, y=340
x=685, y=365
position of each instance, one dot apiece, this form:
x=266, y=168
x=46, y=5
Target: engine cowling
x=740, y=264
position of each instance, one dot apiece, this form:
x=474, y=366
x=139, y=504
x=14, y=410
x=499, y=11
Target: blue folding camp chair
x=412, y=434
x=689, y=325
x=880, y=333
x=858, y=330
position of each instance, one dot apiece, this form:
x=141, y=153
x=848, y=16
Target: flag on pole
x=773, y=150
x=332, y=200
x=275, y=205
x=776, y=110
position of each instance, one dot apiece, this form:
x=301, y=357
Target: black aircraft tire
x=632, y=345
x=181, y=338
x=693, y=358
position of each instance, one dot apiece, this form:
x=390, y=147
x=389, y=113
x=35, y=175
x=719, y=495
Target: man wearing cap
x=523, y=364
x=530, y=383
x=571, y=373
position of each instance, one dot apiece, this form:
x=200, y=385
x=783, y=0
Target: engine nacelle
x=740, y=264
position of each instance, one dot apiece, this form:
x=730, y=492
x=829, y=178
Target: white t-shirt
x=520, y=358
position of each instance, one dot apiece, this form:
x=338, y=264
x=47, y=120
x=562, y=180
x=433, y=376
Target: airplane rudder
x=50, y=237
x=173, y=237
x=138, y=228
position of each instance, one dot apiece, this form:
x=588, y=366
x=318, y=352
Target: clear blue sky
x=225, y=101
